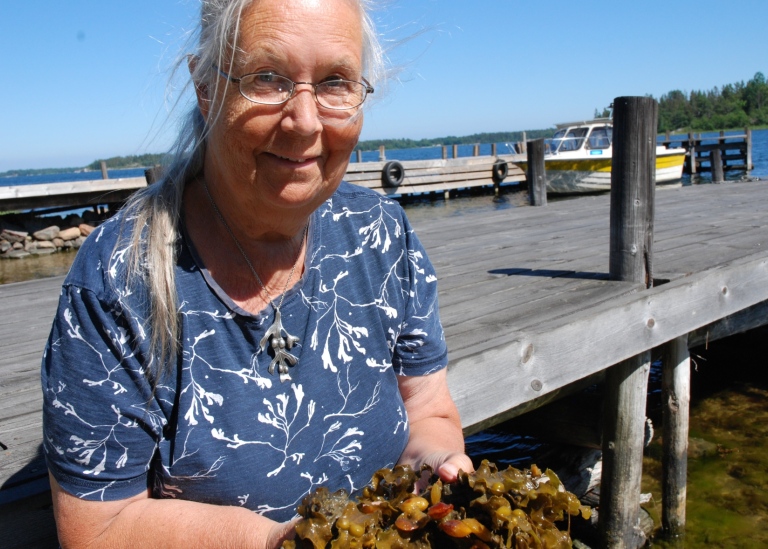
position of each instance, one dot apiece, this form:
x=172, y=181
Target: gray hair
x=156, y=210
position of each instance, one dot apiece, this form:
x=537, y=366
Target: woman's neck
x=244, y=257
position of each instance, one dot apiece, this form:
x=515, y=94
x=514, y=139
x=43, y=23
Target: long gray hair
x=156, y=210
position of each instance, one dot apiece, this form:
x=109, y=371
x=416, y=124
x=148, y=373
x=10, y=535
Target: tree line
x=492, y=137
x=731, y=106
x=131, y=161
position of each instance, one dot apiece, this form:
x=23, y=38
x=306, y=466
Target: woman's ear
x=201, y=89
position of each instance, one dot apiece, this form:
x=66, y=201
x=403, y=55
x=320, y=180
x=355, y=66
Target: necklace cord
x=245, y=256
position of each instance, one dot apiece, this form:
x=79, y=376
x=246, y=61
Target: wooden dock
x=415, y=176
x=734, y=150
x=525, y=300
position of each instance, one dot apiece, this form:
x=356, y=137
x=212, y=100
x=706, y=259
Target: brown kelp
x=485, y=509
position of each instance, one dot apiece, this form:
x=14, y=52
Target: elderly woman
x=249, y=328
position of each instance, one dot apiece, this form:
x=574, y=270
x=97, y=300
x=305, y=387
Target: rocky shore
x=24, y=235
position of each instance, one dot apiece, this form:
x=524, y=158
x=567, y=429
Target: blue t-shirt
x=221, y=429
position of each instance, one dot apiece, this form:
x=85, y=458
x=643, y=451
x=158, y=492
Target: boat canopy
x=592, y=135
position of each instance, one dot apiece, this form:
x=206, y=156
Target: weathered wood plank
x=558, y=352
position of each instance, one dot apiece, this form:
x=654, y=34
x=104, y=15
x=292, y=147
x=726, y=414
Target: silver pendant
x=282, y=359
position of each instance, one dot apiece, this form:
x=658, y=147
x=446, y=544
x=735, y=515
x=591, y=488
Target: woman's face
x=285, y=157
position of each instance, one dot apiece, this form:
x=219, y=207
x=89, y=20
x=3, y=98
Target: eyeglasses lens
x=273, y=89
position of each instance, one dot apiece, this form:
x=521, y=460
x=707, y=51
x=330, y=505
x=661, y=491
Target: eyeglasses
x=268, y=88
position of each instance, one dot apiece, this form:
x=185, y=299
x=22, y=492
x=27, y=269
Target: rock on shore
x=24, y=235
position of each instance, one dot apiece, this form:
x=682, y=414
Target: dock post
x=455, y=151
x=676, y=396
x=692, y=152
x=493, y=149
x=537, y=175
x=748, y=133
x=626, y=383
x=716, y=164
x=104, y=174
x=382, y=153
x=445, y=152
x=359, y=156
x=476, y=149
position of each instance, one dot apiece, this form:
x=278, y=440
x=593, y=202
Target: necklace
x=280, y=345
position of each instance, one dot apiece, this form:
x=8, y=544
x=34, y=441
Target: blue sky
x=88, y=79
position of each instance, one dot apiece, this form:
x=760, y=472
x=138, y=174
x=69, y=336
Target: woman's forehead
x=275, y=30
x=336, y=17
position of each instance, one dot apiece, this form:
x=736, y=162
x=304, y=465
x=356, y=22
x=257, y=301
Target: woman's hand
x=436, y=437
x=448, y=464
x=280, y=532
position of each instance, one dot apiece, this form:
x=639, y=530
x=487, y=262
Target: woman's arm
x=141, y=521
x=436, y=438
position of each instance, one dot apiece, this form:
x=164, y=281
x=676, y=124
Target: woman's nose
x=300, y=112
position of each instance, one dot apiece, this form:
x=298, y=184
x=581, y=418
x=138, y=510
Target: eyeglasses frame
x=235, y=80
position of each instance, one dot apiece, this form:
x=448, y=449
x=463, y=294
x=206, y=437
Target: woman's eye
x=265, y=77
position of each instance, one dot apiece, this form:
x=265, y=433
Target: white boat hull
x=579, y=158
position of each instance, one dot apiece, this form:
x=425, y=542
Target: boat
x=578, y=158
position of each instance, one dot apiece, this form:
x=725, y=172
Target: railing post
x=104, y=174
x=445, y=152
x=692, y=152
x=382, y=153
x=536, y=176
x=716, y=164
x=359, y=156
x=748, y=137
x=626, y=384
x=676, y=396
x=455, y=151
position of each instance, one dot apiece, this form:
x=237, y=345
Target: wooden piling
x=476, y=150
x=630, y=259
x=104, y=174
x=455, y=151
x=359, y=155
x=691, y=153
x=493, y=149
x=382, y=153
x=445, y=152
x=153, y=174
x=748, y=133
x=716, y=165
x=676, y=394
x=536, y=176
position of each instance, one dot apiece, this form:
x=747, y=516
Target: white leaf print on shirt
x=277, y=417
x=201, y=398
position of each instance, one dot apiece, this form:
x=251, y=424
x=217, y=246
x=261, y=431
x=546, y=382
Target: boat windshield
x=600, y=138
x=568, y=140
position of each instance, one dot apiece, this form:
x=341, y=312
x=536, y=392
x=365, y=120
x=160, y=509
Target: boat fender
x=500, y=171
x=392, y=174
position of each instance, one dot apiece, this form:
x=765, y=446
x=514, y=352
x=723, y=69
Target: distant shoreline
x=118, y=163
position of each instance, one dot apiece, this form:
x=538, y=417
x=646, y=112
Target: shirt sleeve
x=101, y=424
x=420, y=349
